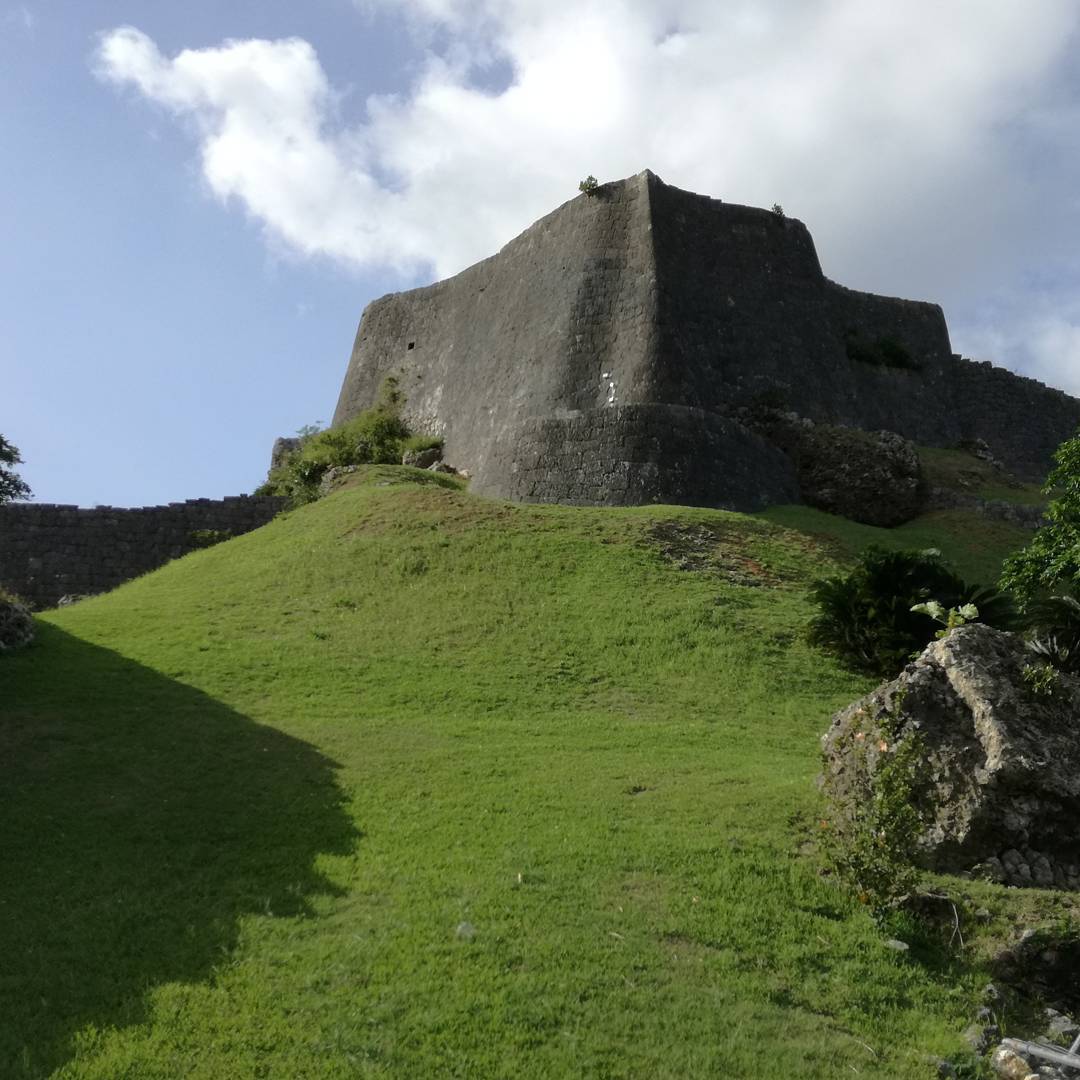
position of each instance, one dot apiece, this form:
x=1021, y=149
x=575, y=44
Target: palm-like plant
x=865, y=617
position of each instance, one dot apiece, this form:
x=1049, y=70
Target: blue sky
x=200, y=198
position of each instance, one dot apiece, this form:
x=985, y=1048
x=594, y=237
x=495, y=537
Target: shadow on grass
x=139, y=821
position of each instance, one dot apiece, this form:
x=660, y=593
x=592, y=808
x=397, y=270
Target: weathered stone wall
x=49, y=551
x=561, y=320
x=633, y=454
x=1021, y=420
x=644, y=294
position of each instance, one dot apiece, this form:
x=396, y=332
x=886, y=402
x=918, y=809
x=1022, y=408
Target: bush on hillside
x=16, y=623
x=376, y=437
x=1051, y=560
x=865, y=617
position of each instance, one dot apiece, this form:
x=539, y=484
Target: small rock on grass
x=1009, y=1065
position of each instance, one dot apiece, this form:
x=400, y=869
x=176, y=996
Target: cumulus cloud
x=901, y=133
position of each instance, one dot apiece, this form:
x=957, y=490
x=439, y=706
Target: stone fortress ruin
x=647, y=344
x=639, y=344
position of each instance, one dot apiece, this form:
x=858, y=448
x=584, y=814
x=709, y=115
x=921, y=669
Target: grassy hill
x=413, y=784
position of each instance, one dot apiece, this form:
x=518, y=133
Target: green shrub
x=871, y=837
x=204, y=538
x=12, y=486
x=1041, y=679
x=1051, y=560
x=589, y=185
x=418, y=443
x=865, y=617
x=376, y=437
x=16, y=622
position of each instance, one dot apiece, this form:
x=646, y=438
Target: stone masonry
x=49, y=551
x=684, y=310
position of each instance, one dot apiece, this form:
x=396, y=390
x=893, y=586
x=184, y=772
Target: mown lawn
x=412, y=784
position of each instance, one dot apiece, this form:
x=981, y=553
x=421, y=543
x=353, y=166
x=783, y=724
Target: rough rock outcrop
x=998, y=783
x=282, y=449
x=422, y=459
x=870, y=476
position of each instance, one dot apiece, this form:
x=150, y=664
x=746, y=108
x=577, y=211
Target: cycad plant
x=865, y=616
x=1054, y=622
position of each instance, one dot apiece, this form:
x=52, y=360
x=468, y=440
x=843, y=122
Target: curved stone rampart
x=634, y=454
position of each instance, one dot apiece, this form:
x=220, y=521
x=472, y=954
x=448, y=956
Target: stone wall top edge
x=432, y=288
x=226, y=500
x=477, y=268
x=863, y=293
x=998, y=371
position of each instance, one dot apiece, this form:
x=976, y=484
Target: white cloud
x=901, y=133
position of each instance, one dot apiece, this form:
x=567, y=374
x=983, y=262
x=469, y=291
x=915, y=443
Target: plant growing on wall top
x=589, y=185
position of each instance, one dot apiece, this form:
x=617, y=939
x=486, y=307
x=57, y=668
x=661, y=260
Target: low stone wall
x=49, y=551
x=634, y=454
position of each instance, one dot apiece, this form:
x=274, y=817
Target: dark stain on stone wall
x=49, y=551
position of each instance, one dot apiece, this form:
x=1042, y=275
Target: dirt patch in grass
x=703, y=547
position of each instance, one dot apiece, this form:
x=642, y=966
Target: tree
x=12, y=486
x=1052, y=559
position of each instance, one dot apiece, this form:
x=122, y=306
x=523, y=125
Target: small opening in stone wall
x=411, y=346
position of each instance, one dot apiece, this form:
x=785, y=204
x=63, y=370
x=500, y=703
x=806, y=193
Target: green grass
x=959, y=470
x=412, y=784
x=972, y=544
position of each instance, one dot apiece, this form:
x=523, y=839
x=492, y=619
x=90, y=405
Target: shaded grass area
x=142, y=820
x=972, y=544
x=960, y=470
x=409, y=783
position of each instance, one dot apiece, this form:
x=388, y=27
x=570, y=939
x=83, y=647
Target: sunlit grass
x=412, y=784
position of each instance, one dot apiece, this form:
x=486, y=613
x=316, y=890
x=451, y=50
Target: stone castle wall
x=646, y=295
x=1022, y=420
x=562, y=320
x=49, y=551
x=635, y=454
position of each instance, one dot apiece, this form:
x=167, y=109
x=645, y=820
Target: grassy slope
x=962, y=471
x=251, y=798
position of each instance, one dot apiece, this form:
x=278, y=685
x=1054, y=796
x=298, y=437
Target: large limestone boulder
x=874, y=477
x=870, y=476
x=998, y=776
